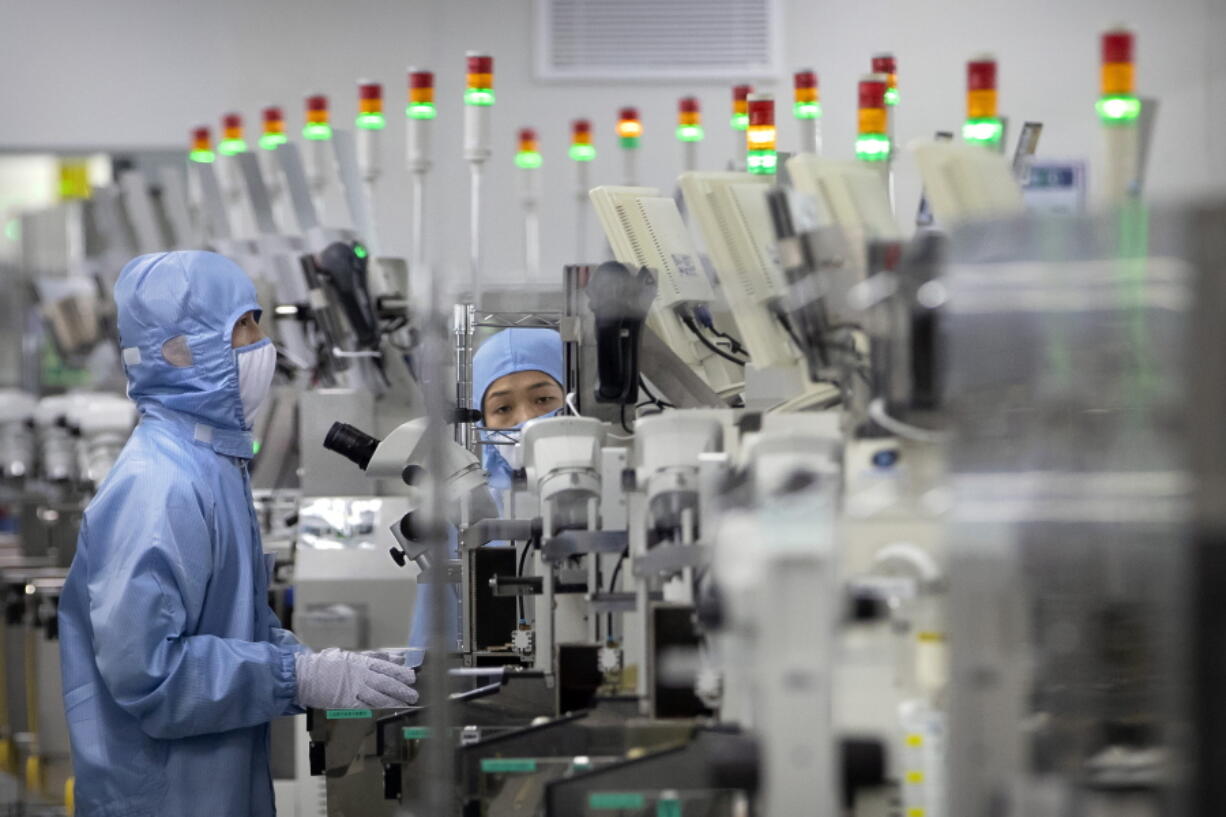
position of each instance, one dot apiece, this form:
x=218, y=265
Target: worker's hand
x=336, y=679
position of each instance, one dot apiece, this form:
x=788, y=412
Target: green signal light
x=689, y=133
x=360, y=251
x=807, y=110
x=317, y=131
x=740, y=121
x=12, y=230
x=1118, y=109
x=582, y=153
x=230, y=147
x=986, y=131
x=761, y=161
x=629, y=142
x=255, y=447
x=873, y=147
x=272, y=141
x=528, y=159
x=203, y=156
x=420, y=110
x=371, y=121
x=479, y=96
x=891, y=96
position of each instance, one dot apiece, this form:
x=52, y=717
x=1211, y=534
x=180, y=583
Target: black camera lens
x=351, y=443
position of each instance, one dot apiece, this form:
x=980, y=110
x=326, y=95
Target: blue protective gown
x=511, y=350
x=173, y=663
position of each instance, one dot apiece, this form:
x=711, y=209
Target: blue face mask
x=492, y=459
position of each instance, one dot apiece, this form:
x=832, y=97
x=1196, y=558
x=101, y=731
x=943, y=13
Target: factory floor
x=10, y=807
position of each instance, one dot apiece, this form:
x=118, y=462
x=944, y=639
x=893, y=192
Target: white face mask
x=256, y=365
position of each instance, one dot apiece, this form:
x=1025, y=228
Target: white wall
x=140, y=72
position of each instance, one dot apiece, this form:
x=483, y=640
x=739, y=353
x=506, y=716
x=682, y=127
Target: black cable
x=652, y=398
x=519, y=573
x=791, y=330
x=733, y=342
x=617, y=570
x=628, y=429
x=689, y=324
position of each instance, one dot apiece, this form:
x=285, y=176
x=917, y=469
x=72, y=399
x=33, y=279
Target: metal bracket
x=577, y=543
x=493, y=530
x=670, y=559
x=452, y=574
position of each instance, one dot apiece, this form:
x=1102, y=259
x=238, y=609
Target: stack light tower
x=478, y=108
x=583, y=153
x=807, y=107
x=1119, y=112
x=273, y=137
x=629, y=137
x=232, y=144
x=884, y=64
x=528, y=160
x=983, y=124
x=202, y=146
x=369, y=124
x=739, y=121
x=761, y=135
x=318, y=135
x=204, y=187
x=689, y=130
x=873, y=141
x=419, y=113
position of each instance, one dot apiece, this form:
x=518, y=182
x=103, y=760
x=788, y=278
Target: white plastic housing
x=732, y=212
x=16, y=406
x=555, y=449
x=645, y=229
x=965, y=182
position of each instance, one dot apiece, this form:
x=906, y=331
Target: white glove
x=394, y=655
x=337, y=679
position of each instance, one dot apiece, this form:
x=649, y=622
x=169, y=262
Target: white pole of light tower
x=419, y=114
x=370, y=123
x=582, y=192
x=528, y=159
x=479, y=100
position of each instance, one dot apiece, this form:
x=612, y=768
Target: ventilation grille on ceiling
x=628, y=39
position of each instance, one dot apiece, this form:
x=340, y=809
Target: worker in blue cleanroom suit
x=517, y=376
x=173, y=663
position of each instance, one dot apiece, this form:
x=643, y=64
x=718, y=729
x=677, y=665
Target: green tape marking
x=507, y=765
x=349, y=714
x=614, y=801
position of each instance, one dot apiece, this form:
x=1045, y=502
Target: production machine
x=722, y=580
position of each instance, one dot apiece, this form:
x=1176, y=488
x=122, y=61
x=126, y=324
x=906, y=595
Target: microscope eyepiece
x=351, y=443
